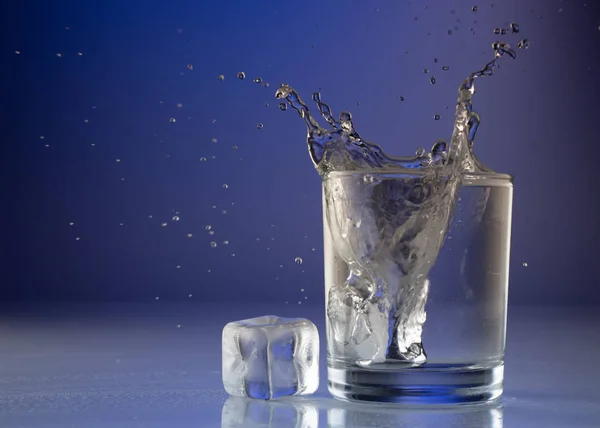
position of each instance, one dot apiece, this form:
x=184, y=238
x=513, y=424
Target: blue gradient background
x=539, y=122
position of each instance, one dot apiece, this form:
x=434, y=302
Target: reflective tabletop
x=159, y=365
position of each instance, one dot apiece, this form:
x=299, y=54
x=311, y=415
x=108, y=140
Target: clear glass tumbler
x=416, y=282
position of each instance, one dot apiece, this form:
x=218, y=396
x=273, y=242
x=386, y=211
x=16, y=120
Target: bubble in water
x=213, y=244
x=241, y=75
x=445, y=68
x=525, y=264
x=175, y=218
x=282, y=106
x=298, y=260
x=514, y=27
x=257, y=80
x=432, y=80
x=221, y=77
x=172, y=120
x=190, y=67
x=225, y=186
x=523, y=44
x=203, y=159
x=436, y=117
x=474, y=8
x=259, y=125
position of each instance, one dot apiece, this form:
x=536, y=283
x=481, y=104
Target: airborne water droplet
x=432, y=80
x=445, y=68
x=259, y=125
x=514, y=27
x=175, y=218
x=525, y=264
x=474, y=8
x=234, y=147
x=420, y=152
x=257, y=80
x=282, y=106
x=213, y=244
x=190, y=67
x=298, y=260
x=523, y=44
x=436, y=117
x=241, y=75
x=203, y=159
x=401, y=98
x=208, y=227
x=172, y=120
x=221, y=77
x=225, y=186
x=368, y=178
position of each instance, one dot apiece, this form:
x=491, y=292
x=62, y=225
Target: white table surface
x=130, y=365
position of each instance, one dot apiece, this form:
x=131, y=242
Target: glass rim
x=473, y=177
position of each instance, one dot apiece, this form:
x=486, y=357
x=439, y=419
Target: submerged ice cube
x=269, y=357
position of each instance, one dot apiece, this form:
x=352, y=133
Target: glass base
x=426, y=385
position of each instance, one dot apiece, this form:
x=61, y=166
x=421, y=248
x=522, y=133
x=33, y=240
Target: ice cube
x=241, y=412
x=269, y=357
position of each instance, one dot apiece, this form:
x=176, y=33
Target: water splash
x=387, y=232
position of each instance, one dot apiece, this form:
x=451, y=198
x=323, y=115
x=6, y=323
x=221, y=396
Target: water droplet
x=234, y=147
x=172, y=120
x=213, y=244
x=474, y=8
x=225, y=186
x=266, y=84
x=420, y=152
x=189, y=295
x=221, y=77
x=175, y=218
x=445, y=68
x=59, y=55
x=17, y=52
x=179, y=105
x=71, y=224
x=503, y=31
x=208, y=227
x=213, y=140
x=560, y=10
x=313, y=249
x=189, y=235
x=523, y=44
x=190, y=67
x=202, y=159
x=241, y=75
x=432, y=80
x=514, y=27
x=178, y=267
x=78, y=238
x=211, y=232
x=368, y=178
x=525, y=264
x=156, y=298
x=298, y=260
x=299, y=302
x=497, y=30
x=224, y=212
x=117, y=160
x=232, y=254
x=282, y=106
x=259, y=125
x=436, y=117
x=226, y=242
x=401, y=98
x=425, y=70
x=178, y=325
x=214, y=121
x=257, y=80
x=435, y=60
x=163, y=224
